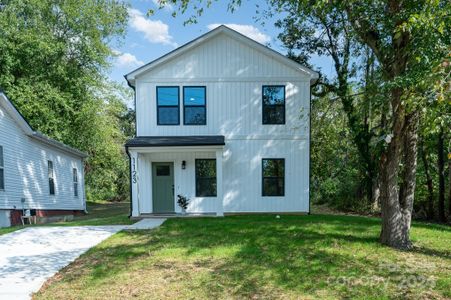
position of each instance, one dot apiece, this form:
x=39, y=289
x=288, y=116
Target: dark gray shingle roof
x=174, y=141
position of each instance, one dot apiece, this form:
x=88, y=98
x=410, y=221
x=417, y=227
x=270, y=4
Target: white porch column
x=134, y=182
x=219, y=184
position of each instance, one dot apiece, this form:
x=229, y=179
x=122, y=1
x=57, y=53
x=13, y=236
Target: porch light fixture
x=183, y=164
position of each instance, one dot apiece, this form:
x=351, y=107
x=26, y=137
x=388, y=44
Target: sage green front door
x=163, y=187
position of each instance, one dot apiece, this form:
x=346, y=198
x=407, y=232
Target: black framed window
x=273, y=177
x=75, y=181
x=194, y=105
x=273, y=104
x=168, y=105
x=205, y=177
x=51, y=178
x=2, y=170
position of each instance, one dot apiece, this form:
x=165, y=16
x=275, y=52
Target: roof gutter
x=51, y=142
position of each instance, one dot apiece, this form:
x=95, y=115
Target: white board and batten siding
x=234, y=74
x=26, y=171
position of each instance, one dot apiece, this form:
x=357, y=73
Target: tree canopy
x=391, y=61
x=53, y=62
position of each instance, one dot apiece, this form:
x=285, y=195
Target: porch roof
x=176, y=141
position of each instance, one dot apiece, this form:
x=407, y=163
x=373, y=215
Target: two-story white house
x=224, y=121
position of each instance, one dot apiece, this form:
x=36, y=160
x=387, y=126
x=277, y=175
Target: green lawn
x=102, y=214
x=98, y=214
x=260, y=257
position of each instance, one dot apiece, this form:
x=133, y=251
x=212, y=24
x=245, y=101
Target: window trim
x=205, y=105
x=158, y=106
x=75, y=181
x=263, y=177
x=196, y=178
x=274, y=105
x=2, y=167
x=51, y=177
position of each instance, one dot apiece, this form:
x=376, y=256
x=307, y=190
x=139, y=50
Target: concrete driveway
x=30, y=256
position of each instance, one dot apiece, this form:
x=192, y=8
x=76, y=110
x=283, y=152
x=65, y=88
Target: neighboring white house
x=37, y=174
x=224, y=121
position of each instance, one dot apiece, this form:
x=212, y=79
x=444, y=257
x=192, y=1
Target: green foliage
x=260, y=257
x=335, y=170
x=379, y=49
x=53, y=57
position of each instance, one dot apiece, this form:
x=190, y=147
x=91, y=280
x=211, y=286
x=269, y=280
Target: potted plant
x=183, y=202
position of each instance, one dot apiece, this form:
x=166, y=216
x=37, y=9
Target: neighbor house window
x=205, y=177
x=194, y=105
x=75, y=180
x=168, y=105
x=273, y=181
x=2, y=170
x=273, y=104
x=51, y=178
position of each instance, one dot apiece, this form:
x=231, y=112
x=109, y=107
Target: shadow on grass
x=244, y=253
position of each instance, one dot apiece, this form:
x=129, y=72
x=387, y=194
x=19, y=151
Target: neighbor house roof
x=170, y=141
x=28, y=130
x=130, y=77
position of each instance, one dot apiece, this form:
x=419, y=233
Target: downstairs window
x=205, y=177
x=273, y=179
x=2, y=170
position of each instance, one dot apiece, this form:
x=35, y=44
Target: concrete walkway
x=30, y=256
x=147, y=223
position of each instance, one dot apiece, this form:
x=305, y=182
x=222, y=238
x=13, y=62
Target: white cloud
x=127, y=60
x=154, y=31
x=167, y=6
x=247, y=30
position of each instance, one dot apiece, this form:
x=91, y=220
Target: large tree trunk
x=441, y=176
x=410, y=167
x=397, y=211
x=429, y=183
x=392, y=233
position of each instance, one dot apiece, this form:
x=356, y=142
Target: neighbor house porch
x=164, y=167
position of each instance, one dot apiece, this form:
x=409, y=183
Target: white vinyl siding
x=234, y=75
x=26, y=171
x=242, y=177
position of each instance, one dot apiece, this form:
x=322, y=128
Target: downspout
x=126, y=148
x=310, y=153
x=130, y=179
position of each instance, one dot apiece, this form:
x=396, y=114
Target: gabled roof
x=130, y=77
x=28, y=130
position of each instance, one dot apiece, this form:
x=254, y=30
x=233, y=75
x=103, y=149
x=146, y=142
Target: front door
x=163, y=187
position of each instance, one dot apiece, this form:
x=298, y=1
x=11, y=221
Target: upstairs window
x=2, y=170
x=194, y=105
x=75, y=181
x=168, y=105
x=273, y=181
x=51, y=178
x=274, y=104
x=205, y=177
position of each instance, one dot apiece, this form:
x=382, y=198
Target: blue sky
x=148, y=38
